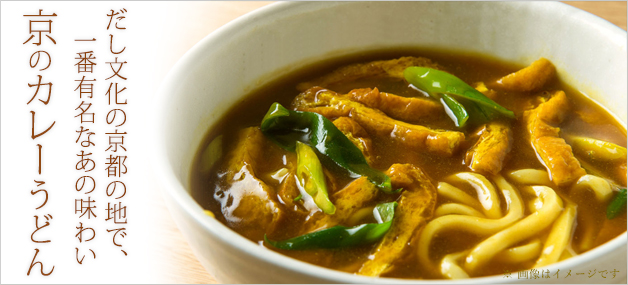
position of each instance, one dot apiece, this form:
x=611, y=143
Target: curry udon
x=525, y=174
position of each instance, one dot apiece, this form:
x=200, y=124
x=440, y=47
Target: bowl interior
x=589, y=52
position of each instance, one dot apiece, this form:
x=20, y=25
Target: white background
x=157, y=34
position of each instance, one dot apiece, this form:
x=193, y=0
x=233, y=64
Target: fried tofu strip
x=353, y=197
x=357, y=135
x=555, y=154
x=390, y=68
x=407, y=109
x=530, y=78
x=249, y=204
x=490, y=93
x=488, y=154
x=332, y=105
x=288, y=191
x=416, y=206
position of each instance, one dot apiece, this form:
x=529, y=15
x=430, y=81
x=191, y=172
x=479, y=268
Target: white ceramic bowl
x=590, y=54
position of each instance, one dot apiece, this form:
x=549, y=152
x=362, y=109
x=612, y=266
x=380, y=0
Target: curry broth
x=586, y=118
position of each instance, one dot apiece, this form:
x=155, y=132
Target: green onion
x=455, y=110
x=617, y=204
x=339, y=236
x=442, y=85
x=286, y=127
x=311, y=177
x=597, y=148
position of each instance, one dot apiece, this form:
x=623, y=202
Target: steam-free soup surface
x=236, y=198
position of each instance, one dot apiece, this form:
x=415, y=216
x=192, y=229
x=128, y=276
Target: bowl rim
x=174, y=189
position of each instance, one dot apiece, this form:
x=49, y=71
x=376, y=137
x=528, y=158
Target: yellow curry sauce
x=585, y=118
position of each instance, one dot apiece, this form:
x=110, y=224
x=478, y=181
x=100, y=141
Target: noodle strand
x=523, y=229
